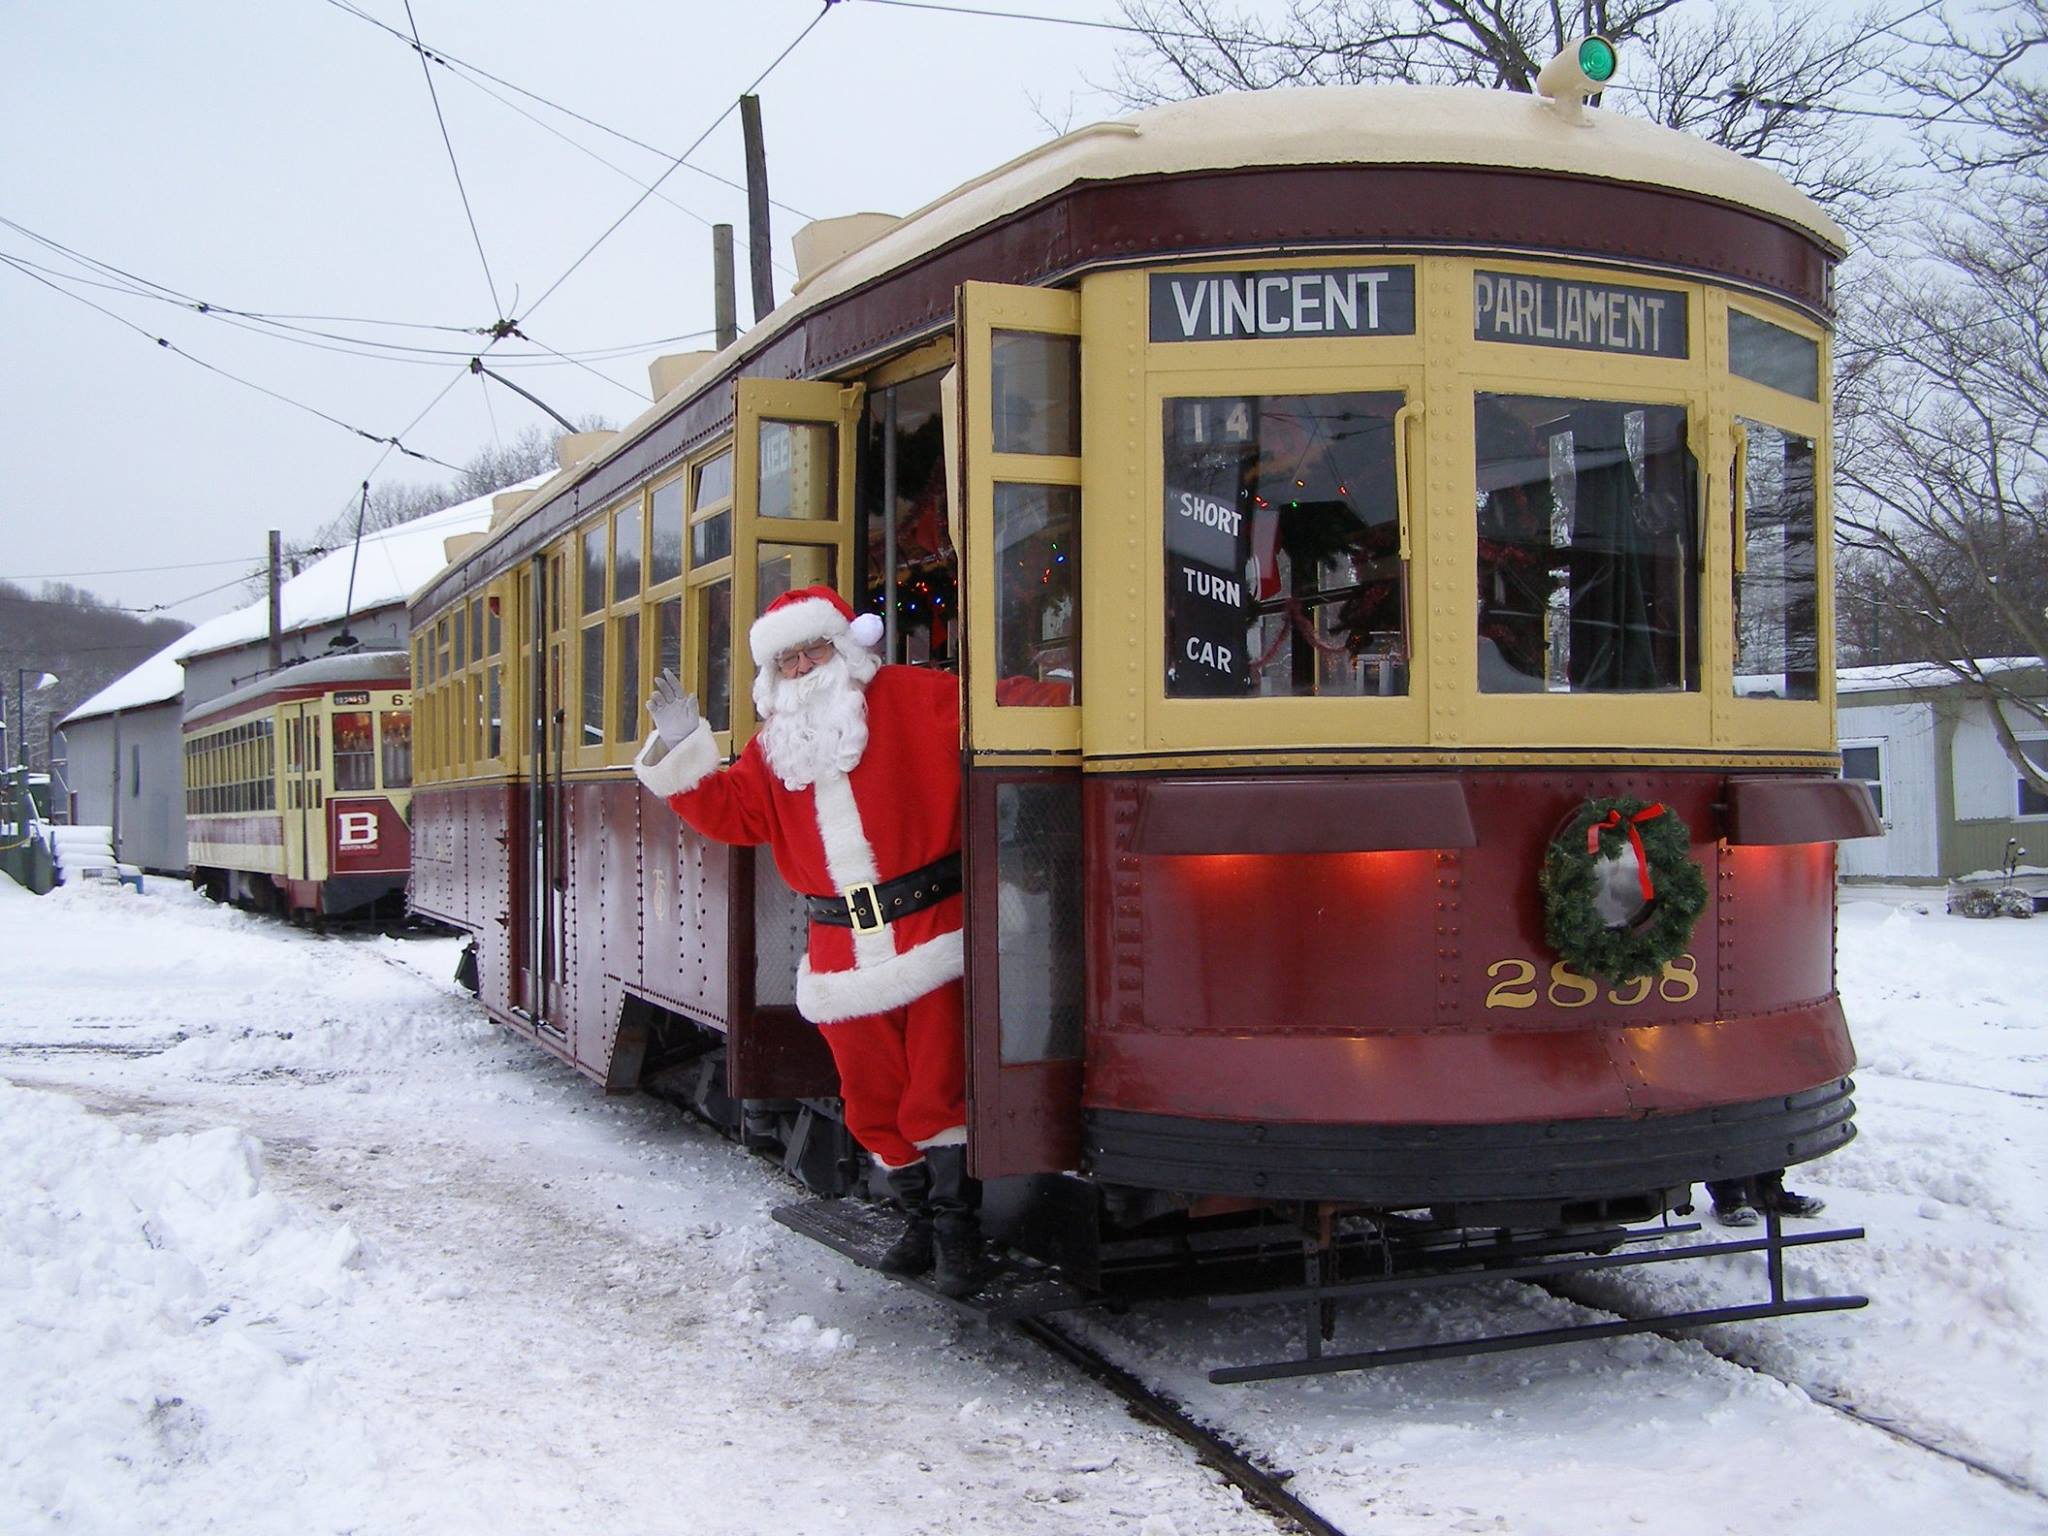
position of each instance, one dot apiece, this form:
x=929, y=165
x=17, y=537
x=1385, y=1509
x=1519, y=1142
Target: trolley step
x=1015, y=1287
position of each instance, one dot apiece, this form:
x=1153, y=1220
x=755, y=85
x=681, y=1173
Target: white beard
x=817, y=724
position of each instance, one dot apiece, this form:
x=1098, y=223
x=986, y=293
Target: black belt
x=867, y=908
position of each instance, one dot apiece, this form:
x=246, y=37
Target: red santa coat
x=895, y=812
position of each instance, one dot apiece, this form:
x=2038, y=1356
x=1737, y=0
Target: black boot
x=956, y=1221
x=1734, y=1204
x=1775, y=1196
x=910, y=1254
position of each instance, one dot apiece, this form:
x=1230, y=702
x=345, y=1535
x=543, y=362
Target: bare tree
x=1943, y=457
x=1765, y=83
x=531, y=453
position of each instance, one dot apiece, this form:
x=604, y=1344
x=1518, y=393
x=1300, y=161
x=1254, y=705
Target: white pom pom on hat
x=805, y=614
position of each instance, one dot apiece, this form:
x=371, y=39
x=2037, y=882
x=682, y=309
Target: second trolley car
x=298, y=789
x=1330, y=501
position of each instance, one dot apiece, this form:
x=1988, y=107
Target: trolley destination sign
x=1270, y=305
x=1586, y=317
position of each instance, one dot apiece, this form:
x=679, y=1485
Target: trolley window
x=1587, y=548
x=665, y=536
x=711, y=525
x=626, y=639
x=1036, y=393
x=626, y=552
x=1038, y=884
x=717, y=641
x=395, y=727
x=1038, y=612
x=903, y=481
x=1773, y=356
x=786, y=567
x=1284, y=575
x=799, y=470
x=1777, y=586
x=355, y=751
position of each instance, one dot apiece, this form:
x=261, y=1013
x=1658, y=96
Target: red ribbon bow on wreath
x=1635, y=841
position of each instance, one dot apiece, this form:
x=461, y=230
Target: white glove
x=673, y=711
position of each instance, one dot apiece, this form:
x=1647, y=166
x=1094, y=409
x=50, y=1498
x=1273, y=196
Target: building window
x=1867, y=765
x=2032, y=801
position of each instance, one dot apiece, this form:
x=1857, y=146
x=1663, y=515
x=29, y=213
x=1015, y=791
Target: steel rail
x=1264, y=1489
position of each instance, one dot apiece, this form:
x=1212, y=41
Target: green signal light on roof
x=1597, y=59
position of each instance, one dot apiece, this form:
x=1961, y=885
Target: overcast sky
x=283, y=157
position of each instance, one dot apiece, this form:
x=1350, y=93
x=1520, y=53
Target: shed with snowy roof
x=124, y=751
x=1925, y=739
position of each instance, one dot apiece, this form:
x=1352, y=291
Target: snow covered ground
x=293, y=1240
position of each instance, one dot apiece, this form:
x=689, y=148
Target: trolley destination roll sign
x=1586, y=317
x=1292, y=302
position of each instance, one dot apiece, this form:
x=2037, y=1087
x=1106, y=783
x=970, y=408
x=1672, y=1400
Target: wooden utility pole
x=724, y=316
x=276, y=600
x=757, y=207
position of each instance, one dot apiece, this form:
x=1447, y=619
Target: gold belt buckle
x=872, y=921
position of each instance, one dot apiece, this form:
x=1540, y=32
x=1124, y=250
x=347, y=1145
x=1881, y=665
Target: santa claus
x=853, y=781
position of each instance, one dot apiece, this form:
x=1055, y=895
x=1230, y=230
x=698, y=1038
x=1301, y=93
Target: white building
x=1947, y=794
x=124, y=749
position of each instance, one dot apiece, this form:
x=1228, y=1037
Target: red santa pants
x=903, y=1074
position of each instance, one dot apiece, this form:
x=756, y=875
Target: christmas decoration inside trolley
x=1381, y=542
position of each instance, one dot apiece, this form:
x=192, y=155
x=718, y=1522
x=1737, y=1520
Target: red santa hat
x=805, y=614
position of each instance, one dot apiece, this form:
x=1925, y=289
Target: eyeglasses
x=817, y=653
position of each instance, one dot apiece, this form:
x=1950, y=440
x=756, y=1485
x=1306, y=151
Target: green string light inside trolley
x=1597, y=59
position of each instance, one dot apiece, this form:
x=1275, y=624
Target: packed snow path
x=291, y=1238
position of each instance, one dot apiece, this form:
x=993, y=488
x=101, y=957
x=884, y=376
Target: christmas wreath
x=1582, y=864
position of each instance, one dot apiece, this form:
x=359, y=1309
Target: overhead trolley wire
x=497, y=305
x=695, y=144
x=140, y=570
x=463, y=68
x=1247, y=40
x=1091, y=23
x=169, y=346
x=275, y=327
x=638, y=394
x=584, y=149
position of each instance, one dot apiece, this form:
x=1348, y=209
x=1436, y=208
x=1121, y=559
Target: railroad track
x=1263, y=1487
x=1835, y=1399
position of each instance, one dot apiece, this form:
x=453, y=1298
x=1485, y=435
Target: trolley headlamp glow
x=1580, y=70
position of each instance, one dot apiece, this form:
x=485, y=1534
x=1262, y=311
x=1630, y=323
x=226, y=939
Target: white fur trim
x=849, y=858
x=866, y=629
x=952, y=1136
x=677, y=770
x=827, y=997
x=810, y=618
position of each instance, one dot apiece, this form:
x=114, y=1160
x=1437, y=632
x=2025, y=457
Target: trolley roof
x=1337, y=125
x=384, y=669
x=1379, y=125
